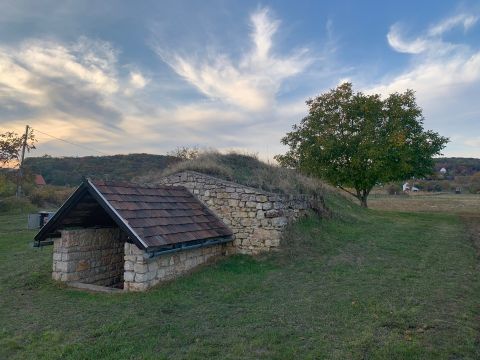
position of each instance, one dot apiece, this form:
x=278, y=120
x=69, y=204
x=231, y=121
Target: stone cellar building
x=132, y=237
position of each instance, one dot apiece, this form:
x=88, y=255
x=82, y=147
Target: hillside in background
x=148, y=169
x=69, y=170
x=241, y=168
x=458, y=166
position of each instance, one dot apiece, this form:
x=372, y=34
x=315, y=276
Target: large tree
x=355, y=141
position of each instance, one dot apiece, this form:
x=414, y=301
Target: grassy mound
x=247, y=170
x=250, y=171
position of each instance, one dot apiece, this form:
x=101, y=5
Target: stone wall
x=91, y=255
x=257, y=218
x=142, y=273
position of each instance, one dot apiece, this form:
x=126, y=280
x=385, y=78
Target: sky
x=119, y=77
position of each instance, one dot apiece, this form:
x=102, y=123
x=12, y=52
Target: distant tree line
x=458, y=166
x=68, y=171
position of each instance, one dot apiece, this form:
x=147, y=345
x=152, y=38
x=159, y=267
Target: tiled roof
x=153, y=217
x=39, y=180
x=163, y=215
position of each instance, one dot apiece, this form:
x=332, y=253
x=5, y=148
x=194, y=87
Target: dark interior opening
x=88, y=214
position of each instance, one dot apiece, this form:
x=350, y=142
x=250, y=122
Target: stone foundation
x=142, y=273
x=256, y=217
x=93, y=256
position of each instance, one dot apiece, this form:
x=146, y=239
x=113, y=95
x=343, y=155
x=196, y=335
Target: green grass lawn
x=370, y=286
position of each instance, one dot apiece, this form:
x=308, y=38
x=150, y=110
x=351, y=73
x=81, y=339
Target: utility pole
x=20, y=169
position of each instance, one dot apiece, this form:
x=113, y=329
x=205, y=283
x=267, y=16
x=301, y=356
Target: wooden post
x=20, y=170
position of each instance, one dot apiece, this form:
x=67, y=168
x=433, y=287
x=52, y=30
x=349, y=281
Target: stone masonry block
x=140, y=268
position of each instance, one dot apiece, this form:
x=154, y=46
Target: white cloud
x=137, y=80
x=91, y=63
x=445, y=76
x=473, y=142
x=437, y=67
x=465, y=20
x=86, y=64
x=15, y=82
x=250, y=83
x=434, y=78
x=396, y=41
x=80, y=80
x=430, y=42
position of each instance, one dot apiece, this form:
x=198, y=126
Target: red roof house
x=39, y=180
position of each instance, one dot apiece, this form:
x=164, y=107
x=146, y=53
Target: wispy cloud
x=79, y=80
x=430, y=42
x=398, y=43
x=445, y=76
x=465, y=20
x=437, y=66
x=250, y=83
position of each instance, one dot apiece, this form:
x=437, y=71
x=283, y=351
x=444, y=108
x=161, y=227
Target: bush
x=474, y=186
x=434, y=185
x=185, y=153
x=49, y=196
x=13, y=205
x=7, y=186
x=393, y=189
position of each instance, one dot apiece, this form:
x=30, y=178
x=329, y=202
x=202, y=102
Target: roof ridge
x=127, y=184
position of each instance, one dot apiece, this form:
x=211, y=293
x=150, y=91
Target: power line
x=71, y=143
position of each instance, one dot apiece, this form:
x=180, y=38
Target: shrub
x=13, y=205
x=49, y=195
x=474, y=186
x=7, y=186
x=393, y=189
x=185, y=153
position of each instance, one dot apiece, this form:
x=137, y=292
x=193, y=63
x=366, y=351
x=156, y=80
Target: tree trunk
x=362, y=196
x=363, y=201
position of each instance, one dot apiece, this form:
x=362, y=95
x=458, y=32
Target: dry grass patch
x=246, y=170
x=452, y=203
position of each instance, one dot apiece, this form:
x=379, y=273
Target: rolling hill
x=69, y=170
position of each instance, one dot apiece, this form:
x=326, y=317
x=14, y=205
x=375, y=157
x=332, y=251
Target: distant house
x=39, y=180
x=443, y=171
x=406, y=188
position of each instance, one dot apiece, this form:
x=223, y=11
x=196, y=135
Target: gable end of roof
x=153, y=218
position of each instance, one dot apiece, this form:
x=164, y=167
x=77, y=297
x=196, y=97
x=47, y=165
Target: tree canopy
x=11, y=145
x=355, y=141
